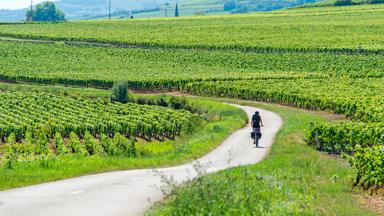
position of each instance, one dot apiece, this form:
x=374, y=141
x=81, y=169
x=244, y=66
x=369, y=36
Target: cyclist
x=256, y=123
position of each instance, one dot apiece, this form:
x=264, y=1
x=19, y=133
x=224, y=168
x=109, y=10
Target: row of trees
x=47, y=11
x=351, y=2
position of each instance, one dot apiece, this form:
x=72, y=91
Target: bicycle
x=256, y=136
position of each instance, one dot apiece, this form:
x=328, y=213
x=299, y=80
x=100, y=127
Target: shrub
x=375, y=1
x=179, y=103
x=343, y=2
x=120, y=93
x=229, y=5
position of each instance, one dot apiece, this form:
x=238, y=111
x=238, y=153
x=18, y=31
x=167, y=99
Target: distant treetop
x=45, y=11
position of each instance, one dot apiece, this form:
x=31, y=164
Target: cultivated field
x=320, y=58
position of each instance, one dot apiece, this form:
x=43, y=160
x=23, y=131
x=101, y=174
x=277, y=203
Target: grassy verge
x=293, y=180
x=220, y=121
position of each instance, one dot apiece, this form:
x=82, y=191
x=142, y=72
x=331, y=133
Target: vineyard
x=314, y=58
x=359, y=99
x=23, y=112
x=169, y=68
x=30, y=117
x=326, y=30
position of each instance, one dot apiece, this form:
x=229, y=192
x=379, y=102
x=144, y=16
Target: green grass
x=222, y=120
x=293, y=180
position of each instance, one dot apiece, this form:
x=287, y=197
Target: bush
x=142, y=101
x=46, y=11
x=120, y=93
x=179, y=103
x=229, y=5
x=375, y=1
x=343, y=2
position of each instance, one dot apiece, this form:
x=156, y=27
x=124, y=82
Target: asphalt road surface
x=132, y=192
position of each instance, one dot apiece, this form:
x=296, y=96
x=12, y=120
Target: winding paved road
x=132, y=192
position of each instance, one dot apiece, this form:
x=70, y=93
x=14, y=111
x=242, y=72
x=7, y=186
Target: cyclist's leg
x=256, y=130
x=255, y=133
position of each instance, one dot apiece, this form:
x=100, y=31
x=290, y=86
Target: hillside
x=324, y=29
x=68, y=110
x=328, y=3
x=121, y=9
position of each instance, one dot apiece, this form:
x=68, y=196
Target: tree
x=177, y=10
x=229, y=5
x=375, y=1
x=120, y=93
x=343, y=2
x=46, y=11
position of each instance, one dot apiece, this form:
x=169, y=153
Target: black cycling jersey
x=256, y=121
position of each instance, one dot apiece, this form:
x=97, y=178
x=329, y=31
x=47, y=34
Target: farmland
x=23, y=112
x=334, y=30
x=170, y=67
x=357, y=98
x=36, y=156
x=326, y=58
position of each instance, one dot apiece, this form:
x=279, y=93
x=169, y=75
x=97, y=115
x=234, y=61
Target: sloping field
x=102, y=67
x=328, y=29
x=327, y=58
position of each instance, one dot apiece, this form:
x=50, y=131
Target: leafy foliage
x=76, y=146
x=120, y=93
x=61, y=149
x=343, y=2
x=286, y=30
x=369, y=163
x=345, y=136
x=26, y=111
x=92, y=146
x=46, y=11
